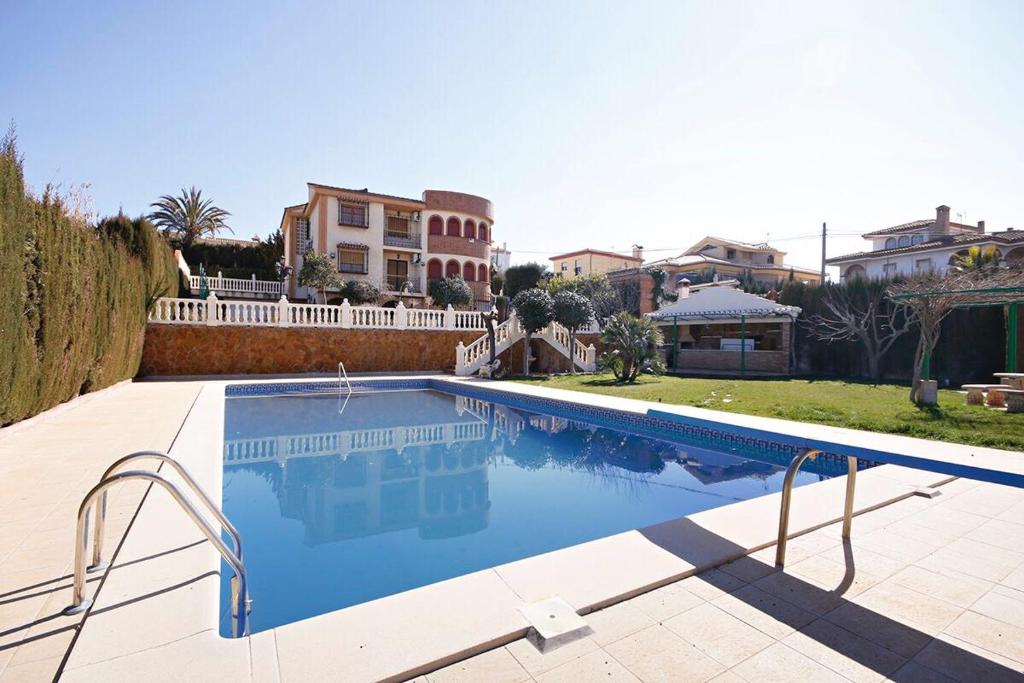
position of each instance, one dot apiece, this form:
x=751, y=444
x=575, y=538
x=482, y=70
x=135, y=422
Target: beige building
x=587, y=261
x=712, y=256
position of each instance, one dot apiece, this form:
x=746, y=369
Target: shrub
x=572, y=311
x=318, y=272
x=605, y=299
x=632, y=347
x=450, y=290
x=521, y=278
x=360, y=292
x=73, y=312
x=535, y=311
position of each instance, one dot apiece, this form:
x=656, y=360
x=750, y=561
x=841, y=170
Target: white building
x=501, y=257
x=926, y=246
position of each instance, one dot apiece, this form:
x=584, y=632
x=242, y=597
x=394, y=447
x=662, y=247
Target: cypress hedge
x=73, y=296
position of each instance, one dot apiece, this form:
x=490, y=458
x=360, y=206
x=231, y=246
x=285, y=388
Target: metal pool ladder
x=343, y=374
x=97, y=497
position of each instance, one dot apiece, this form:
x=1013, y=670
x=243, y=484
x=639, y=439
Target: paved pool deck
x=927, y=585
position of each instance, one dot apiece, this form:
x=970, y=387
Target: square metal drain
x=553, y=623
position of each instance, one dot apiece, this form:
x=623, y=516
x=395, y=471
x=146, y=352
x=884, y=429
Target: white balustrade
x=236, y=285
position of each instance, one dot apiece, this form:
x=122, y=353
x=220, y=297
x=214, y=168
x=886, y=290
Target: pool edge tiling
x=157, y=612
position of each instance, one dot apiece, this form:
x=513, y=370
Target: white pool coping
x=157, y=611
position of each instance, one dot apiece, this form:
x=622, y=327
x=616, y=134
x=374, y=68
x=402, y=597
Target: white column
x=401, y=317
x=449, y=318
x=283, y=312
x=346, y=313
x=212, y=310
x=460, y=359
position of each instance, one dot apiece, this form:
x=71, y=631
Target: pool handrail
x=240, y=602
x=343, y=373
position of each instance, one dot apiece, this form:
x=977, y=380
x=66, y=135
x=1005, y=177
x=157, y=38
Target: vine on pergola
x=931, y=298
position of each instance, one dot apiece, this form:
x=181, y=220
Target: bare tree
x=862, y=315
x=930, y=299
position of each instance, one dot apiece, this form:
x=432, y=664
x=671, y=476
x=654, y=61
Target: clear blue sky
x=588, y=124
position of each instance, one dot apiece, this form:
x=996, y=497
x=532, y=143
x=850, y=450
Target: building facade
x=715, y=256
x=501, y=257
x=590, y=261
x=397, y=244
x=926, y=246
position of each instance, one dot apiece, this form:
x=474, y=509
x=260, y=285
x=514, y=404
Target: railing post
x=449, y=318
x=346, y=313
x=591, y=357
x=460, y=359
x=401, y=317
x=283, y=318
x=212, y=310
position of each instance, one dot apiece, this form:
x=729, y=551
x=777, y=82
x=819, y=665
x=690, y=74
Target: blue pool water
x=343, y=502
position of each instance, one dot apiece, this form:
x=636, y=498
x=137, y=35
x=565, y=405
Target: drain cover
x=554, y=623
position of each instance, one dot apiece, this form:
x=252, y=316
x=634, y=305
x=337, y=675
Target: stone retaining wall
x=236, y=349
x=756, y=361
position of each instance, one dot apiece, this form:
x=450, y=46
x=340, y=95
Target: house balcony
x=402, y=240
x=397, y=284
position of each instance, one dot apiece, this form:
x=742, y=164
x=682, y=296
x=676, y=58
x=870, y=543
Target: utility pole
x=824, y=231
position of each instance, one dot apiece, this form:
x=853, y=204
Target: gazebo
x=719, y=329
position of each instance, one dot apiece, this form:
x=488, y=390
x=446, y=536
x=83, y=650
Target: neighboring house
x=501, y=258
x=588, y=261
x=762, y=263
x=926, y=246
x=395, y=243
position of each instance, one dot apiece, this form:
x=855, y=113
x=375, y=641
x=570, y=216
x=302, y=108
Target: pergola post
x=1012, y=334
x=675, y=343
x=743, y=345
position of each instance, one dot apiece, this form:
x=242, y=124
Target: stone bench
x=993, y=394
x=1014, y=400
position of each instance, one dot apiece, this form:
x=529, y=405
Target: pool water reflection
x=344, y=502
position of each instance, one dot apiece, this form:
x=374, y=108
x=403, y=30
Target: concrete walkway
x=46, y=467
x=928, y=590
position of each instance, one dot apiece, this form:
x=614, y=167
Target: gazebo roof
x=718, y=303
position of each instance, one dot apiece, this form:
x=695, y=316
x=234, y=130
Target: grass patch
x=857, y=405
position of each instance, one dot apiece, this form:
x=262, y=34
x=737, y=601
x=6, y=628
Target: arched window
x=451, y=269
x=469, y=229
x=436, y=225
x=483, y=232
x=468, y=272
x=482, y=273
x=454, y=227
x=890, y=243
x=904, y=241
x=435, y=269
x=917, y=239
x=854, y=272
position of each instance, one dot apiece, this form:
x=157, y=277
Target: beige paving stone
x=665, y=602
x=880, y=629
x=997, y=532
x=536, y=662
x=965, y=662
x=957, y=589
x=977, y=559
x=843, y=580
x=936, y=537
x=989, y=501
x=800, y=591
x=657, y=654
x=749, y=569
x=263, y=658
x=38, y=671
x=924, y=612
x=780, y=663
x=727, y=677
x=765, y=612
x=1015, y=579
x=1002, y=603
x=718, y=634
x=843, y=652
x=990, y=634
x=895, y=545
x=852, y=554
x=649, y=642
x=597, y=665
x=912, y=672
x=1014, y=513
x=712, y=584
x=497, y=665
x=616, y=622
x=947, y=519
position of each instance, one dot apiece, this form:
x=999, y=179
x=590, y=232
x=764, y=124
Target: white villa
x=926, y=246
x=380, y=238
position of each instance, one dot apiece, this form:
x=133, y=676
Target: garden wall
x=236, y=349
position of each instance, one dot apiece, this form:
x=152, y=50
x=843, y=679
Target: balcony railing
x=409, y=240
x=352, y=268
x=400, y=283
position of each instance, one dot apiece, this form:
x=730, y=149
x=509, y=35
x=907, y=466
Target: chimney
x=638, y=251
x=981, y=227
x=683, y=288
x=942, y=220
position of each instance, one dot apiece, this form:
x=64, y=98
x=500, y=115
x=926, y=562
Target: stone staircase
x=470, y=358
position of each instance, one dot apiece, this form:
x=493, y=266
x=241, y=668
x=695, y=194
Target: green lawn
x=877, y=408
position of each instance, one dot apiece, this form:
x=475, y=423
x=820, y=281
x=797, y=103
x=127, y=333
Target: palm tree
x=976, y=258
x=189, y=217
x=631, y=346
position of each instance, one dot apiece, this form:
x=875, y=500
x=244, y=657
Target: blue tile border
x=771, y=447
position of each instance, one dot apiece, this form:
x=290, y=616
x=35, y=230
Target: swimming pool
x=345, y=500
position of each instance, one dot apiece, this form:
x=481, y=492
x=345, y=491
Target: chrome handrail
x=240, y=603
x=343, y=373
x=101, y=505
x=787, y=498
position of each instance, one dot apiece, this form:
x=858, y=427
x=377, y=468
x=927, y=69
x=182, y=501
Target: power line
x=814, y=236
